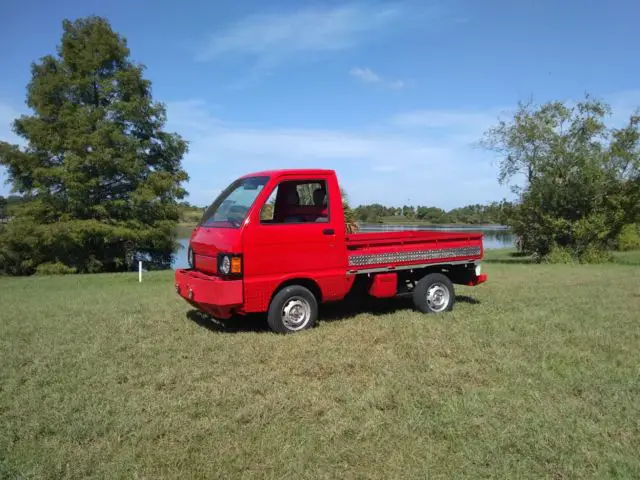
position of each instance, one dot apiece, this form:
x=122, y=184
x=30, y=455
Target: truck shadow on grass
x=374, y=306
x=236, y=324
x=330, y=312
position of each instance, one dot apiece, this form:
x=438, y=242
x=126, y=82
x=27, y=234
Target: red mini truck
x=277, y=242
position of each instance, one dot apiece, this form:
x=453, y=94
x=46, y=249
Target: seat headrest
x=320, y=197
x=291, y=197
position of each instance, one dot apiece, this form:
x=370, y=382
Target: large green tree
x=102, y=178
x=578, y=180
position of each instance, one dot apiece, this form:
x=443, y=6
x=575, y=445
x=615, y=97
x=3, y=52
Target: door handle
x=328, y=231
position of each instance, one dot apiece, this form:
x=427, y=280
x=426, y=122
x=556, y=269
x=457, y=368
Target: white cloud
x=365, y=74
x=213, y=139
x=383, y=164
x=192, y=116
x=271, y=37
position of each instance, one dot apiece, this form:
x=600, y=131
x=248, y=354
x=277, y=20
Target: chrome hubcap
x=296, y=313
x=438, y=297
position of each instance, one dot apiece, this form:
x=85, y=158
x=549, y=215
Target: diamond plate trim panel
x=411, y=256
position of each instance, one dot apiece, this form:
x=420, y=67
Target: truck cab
x=276, y=242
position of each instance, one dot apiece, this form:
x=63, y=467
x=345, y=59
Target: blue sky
x=392, y=95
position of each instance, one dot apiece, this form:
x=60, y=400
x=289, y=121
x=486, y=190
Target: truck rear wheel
x=292, y=309
x=434, y=293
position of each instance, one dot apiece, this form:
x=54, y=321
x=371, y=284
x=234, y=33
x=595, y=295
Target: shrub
x=595, y=255
x=629, y=238
x=560, y=255
x=54, y=268
x=564, y=255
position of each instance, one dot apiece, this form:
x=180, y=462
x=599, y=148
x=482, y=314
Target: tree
x=351, y=225
x=580, y=178
x=408, y=211
x=372, y=213
x=102, y=177
x=431, y=214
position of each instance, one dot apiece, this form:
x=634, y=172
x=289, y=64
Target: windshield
x=232, y=205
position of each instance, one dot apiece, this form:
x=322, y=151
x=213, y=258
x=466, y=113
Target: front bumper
x=210, y=294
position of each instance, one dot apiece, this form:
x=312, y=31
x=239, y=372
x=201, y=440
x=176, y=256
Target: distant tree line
x=493, y=213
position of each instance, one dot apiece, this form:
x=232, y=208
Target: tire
x=292, y=309
x=434, y=293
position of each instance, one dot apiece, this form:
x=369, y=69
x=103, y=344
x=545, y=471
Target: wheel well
x=418, y=273
x=311, y=285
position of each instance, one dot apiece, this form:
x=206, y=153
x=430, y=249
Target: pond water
x=495, y=236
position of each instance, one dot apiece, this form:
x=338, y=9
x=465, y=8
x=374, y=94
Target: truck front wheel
x=434, y=293
x=292, y=309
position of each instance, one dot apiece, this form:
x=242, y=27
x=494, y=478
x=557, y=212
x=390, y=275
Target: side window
x=297, y=201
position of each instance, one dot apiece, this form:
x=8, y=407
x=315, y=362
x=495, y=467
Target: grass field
x=535, y=374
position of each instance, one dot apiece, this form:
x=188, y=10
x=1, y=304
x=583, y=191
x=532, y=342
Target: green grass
x=627, y=258
x=535, y=374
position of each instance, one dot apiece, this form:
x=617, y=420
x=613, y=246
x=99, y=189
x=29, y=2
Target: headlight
x=478, y=269
x=225, y=265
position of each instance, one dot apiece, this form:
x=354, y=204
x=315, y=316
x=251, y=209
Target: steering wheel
x=236, y=213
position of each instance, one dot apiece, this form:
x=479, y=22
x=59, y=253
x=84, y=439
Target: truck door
x=299, y=233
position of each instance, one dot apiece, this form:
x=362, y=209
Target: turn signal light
x=236, y=265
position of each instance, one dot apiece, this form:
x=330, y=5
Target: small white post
x=140, y=271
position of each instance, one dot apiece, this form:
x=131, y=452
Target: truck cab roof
x=291, y=171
